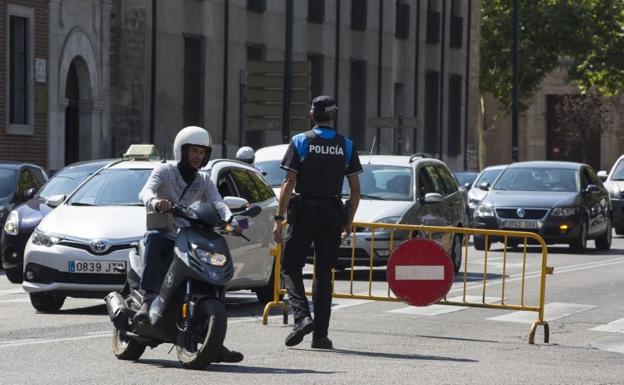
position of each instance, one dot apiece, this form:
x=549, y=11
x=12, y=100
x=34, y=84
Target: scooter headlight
x=211, y=258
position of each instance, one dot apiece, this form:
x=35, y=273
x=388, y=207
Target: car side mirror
x=602, y=174
x=433, y=198
x=467, y=185
x=484, y=186
x=55, y=200
x=592, y=189
x=29, y=194
x=236, y=203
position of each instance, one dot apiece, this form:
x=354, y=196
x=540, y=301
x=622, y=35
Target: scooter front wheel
x=206, y=336
x=125, y=348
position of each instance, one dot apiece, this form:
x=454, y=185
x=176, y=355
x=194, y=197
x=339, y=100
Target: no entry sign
x=420, y=272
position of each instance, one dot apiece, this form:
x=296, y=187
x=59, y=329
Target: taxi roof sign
x=142, y=152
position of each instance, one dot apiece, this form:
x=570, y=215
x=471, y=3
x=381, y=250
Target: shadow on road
x=226, y=368
x=397, y=356
x=91, y=310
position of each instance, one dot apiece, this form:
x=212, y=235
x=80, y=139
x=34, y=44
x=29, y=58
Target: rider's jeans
x=158, y=257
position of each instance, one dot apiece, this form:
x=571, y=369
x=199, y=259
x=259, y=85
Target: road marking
x=434, y=310
x=616, y=326
x=25, y=342
x=418, y=273
x=16, y=300
x=552, y=311
x=12, y=291
x=615, y=345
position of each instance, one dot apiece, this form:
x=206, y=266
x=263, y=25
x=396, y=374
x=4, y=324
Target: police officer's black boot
x=143, y=313
x=299, y=331
x=322, y=343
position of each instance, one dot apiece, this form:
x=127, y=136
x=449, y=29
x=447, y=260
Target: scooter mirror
x=251, y=211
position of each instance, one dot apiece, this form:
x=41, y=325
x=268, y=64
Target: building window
x=193, y=80
x=18, y=70
x=357, y=105
x=316, y=74
x=256, y=5
x=432, y=100
x=433, y=22
x=457, y=25
x=316, y=11
x=402, y=20
x=454, y=114
x=256, y=52
x=359, y=11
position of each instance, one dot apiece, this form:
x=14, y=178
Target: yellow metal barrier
x=408, y=232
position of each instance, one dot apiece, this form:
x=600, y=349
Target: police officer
x=316, y=163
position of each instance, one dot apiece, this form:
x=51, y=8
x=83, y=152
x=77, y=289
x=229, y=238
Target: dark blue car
x=25, y=217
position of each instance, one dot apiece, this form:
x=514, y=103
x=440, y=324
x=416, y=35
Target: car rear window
x=381, y=182
x=119, y=187
x=7, y=182
x=66, y=180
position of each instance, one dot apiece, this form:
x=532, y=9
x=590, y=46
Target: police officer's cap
x=324, y=104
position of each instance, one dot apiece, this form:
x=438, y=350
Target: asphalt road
x=376, y=342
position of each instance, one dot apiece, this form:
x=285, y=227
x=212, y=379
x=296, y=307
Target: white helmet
x=192, y=135
x=246, y=154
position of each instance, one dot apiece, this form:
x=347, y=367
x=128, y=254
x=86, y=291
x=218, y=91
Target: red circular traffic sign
x=420, y=272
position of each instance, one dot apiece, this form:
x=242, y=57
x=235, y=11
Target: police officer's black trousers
x=318, y=221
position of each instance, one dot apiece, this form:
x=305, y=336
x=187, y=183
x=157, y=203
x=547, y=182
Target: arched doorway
x=72, y=116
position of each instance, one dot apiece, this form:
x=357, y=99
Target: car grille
x=512, y=213
x=48, y=275
x=88, y=248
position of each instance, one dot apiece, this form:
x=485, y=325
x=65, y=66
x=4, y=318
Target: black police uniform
x=321, y=158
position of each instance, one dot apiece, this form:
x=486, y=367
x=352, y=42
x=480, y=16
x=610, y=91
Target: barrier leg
x=534, y=328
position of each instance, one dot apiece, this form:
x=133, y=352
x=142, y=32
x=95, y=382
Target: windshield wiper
x=127, y=204
x=81, y=204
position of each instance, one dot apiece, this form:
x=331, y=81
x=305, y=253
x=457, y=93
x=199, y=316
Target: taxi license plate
x=95, y=267
x=519, y=224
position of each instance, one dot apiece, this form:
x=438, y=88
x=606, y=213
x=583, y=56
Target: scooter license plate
x=97, y=267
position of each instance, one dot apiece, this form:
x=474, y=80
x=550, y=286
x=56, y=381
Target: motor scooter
x=189, y=310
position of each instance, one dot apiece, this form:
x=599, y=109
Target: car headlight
x=484, y=211
x=42, y=239
x=211, y=258
x=563, y=211
x=11, y=226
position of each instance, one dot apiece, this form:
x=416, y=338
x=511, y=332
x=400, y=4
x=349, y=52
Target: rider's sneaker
x=143, y=313
x=230, y=356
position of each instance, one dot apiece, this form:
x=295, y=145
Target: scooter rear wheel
x=207, y=335
x=126, y=349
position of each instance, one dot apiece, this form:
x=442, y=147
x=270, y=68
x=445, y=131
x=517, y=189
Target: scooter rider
x=316, y=163
x=183, y=184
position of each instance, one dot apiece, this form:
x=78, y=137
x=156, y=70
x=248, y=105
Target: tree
x=586, y=35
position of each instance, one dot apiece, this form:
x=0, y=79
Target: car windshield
x=488, y=176
x=66, y=180
x=465, y=177
x=380, y=182
x=7, y=182
x=274, y=174
x=119, y=187
x=538, y=179
x=618, y=173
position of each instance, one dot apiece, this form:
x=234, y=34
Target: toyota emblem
x=100, y=246
x=521, y=212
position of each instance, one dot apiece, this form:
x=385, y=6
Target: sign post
x=420, y=272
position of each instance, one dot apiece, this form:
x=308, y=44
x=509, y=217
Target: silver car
x=81, y=248
x=614, y=182
x=406, y=190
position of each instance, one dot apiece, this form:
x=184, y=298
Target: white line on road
x=616, y=326
x=552, y=311
x=10, y=344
